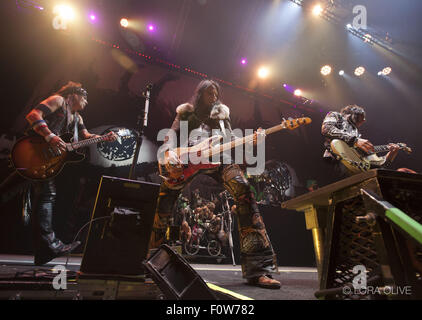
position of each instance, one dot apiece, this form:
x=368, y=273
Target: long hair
x=354, y=111
x=71, y=88
x=201, y=87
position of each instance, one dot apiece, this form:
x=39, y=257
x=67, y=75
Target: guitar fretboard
x=84, y=143
x=240, y=141
x=380, y=148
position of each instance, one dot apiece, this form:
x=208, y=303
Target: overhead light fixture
x=65, y=12
x=124, y=22
x=263, y=72
x=386, y=71
x=317, y=10
x=359, y=71
x=326, y=70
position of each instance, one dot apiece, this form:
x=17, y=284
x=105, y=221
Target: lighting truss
x=330, y=14
x=28, y=4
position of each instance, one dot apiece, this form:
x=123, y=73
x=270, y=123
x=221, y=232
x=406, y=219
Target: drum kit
x=207, y=225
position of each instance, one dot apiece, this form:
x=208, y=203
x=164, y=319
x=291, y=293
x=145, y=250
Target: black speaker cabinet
x=120, y=227
x=175, y=277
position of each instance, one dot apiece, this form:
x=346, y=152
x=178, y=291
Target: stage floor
x=18, y=277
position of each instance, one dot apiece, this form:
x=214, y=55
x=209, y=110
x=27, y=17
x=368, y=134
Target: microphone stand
x=142, y=125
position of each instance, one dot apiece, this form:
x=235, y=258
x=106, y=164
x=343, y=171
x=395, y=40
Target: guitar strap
x=75, y=130
x=222, y=127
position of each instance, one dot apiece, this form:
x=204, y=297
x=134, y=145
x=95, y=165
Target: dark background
x=210, y=37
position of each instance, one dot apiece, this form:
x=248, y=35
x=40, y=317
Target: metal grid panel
x=355, y=246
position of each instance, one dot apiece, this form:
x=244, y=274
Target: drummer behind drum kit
x=207, y=231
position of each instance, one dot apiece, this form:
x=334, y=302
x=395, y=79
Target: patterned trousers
x=257, y=255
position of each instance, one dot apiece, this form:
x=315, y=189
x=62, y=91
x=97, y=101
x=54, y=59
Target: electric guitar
x=175, y=175
x=357, y=160
x=33, y=158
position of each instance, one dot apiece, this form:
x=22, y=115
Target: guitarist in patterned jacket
x=54, y=116
x=344, y=126
x=205, y=113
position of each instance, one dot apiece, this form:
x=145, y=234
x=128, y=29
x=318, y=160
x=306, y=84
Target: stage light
x=65, y=12
x=317, y=10
x=263, y=72
x=151, y=27
x=386, y=71
x=92, y=17
x=243, y=61
x=124, y=22
x=359, y=71
x=341, y=72
x=298, y=92
x=326, y=70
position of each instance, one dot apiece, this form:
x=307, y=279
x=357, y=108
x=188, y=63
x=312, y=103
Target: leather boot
x=264, y=281
x=47, y=245
x=52, y=248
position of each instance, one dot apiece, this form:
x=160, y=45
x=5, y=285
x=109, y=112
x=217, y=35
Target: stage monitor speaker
x=175, y=277
x=120, y=227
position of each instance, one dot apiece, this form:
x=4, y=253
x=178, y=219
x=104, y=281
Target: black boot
x=47, y=246
x=51, y=248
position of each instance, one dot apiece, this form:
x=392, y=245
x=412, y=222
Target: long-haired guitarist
x=206, y=112
x=344, y=125
x=54, y=116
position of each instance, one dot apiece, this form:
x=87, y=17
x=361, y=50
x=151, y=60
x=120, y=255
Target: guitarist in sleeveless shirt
x=206, y=113
x=54, y=116
x=344, y=125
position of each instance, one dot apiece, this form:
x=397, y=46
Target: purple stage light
x=151, y=27
x=288, y=88
x=92, y=17
x=244, y=61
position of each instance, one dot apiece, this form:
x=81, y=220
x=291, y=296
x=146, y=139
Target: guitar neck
x=380, y=148
x=87, y=142
x=240, y=141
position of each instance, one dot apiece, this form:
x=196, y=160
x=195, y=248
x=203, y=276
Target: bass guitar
x=175, y=175
x=33, y=158
x=357, y=160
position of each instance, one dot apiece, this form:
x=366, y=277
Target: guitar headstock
x=292, y=124
x=404, y=147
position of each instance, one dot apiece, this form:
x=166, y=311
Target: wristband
x=49, y=137
x=38, y=123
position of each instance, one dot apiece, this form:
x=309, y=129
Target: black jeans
x=257, y=255
x=43, y=201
